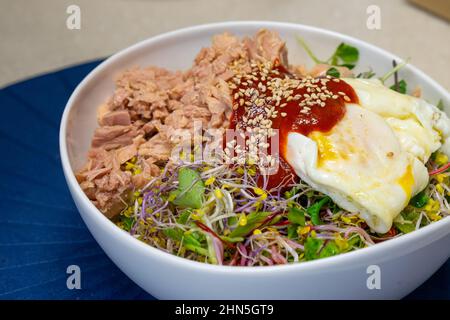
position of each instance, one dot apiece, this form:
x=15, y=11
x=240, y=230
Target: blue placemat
x=41, y=232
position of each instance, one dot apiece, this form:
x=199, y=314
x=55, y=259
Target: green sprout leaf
x=188, y=241
x=128, y=223
x=419, y=200
x=292, y=231
x=232, y=240
x=345, y=55
x=184, y=216
x=190, y=189
x=317, y=249
x=401, y=87
x=314, y=210
x=330, y=249
x=312, y=247
x=410, y=218
x=254, y=219
x=296, y=216
x=333, y=72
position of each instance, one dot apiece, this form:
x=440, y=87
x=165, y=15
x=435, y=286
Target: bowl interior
x=177, y=50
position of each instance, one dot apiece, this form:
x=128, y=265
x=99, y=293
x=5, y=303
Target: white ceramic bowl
x=404, y=263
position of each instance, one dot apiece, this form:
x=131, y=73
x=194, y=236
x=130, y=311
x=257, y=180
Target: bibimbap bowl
x=398, y=265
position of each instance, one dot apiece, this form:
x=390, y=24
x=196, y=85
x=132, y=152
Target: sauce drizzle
x=270, y=97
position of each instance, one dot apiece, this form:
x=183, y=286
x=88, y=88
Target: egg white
x=420, y=126
x=373, y=161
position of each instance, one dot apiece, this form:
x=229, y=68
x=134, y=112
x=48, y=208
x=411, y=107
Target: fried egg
x=372, y=161
x=420, y=126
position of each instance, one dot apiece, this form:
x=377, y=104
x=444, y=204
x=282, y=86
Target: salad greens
x=191, y=188
x=419, y=200
x=218, y=213
x=345, y=55
x=314, y=210
x=401, y=86
x=296, y=216
x=333, y=72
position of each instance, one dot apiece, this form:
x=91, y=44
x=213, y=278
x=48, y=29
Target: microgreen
x=314, y=210
x=419, y=200
x=190, y=189
x=400, y=87
x=254, y=219
x=345, y=55
x=296, y=216
x=333, y=72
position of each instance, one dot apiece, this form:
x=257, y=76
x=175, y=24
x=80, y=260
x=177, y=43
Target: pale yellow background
x=34, y=37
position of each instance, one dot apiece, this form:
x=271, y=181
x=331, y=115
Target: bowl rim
x=146, y=249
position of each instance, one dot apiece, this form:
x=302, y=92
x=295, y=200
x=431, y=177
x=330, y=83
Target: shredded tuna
x=142, y=117
x=113, y=137
x=116, y=118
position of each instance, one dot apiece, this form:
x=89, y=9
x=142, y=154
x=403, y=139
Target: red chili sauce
x=291, y=104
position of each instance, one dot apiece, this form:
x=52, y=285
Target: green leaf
x=349, y=66
x=296, y=216
x=254, y=219
x=128, y=223
x=190, y=189
x=405, y=227
x=314, y=210
x=197, y=249
x=179, y=235
x=411, y=216
x=440, y=105
x=345, y=55
x=333, y=72
x=401, y=87
x=233, y=220
x=290, y=193
x=330, y=249
x=315, y=249
x=232, y=239
x=188, y=241
x=419, y=200
x=312, y=247
x=292, y=231
x=174, y=233
x=355, y=241
x=184, y=216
